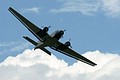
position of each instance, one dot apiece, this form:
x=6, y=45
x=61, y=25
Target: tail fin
x=30, y=40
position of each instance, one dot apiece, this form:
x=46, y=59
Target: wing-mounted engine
x=68, y=43
x=46, y=29
x=43, y=33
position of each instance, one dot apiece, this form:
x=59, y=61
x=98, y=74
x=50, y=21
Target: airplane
x=51, y=41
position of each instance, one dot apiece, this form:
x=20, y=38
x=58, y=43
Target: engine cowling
x=61, y=32
x=67, y=43
x=45, y=30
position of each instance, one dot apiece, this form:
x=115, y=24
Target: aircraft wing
x=36, y=31
x=71, y=53
x=60, y=47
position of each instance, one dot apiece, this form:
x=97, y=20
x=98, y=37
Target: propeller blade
x=70, y=46
x=49, y=26
x=70, y=42
x=45, y=26
x=69, y=39
x=64, y=30
x=42, y=26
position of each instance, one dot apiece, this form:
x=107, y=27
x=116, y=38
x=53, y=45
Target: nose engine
x=59, y=34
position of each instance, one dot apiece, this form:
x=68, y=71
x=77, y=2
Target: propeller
x=47, y=27
x=63, y=31
x=70, y=42
x=42, y=26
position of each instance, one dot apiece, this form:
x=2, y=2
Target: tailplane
x=35, y=43
x=30, y=40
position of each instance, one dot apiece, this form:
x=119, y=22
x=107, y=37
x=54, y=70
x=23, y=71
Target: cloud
x=20, y=46
x=37, y=65
x=86, y=7
x=81, y=6
x=6, y=44
x=31, y=10
x=111, y=7
x=13, y=47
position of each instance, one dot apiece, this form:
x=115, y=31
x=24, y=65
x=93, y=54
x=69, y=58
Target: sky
x=92, y=25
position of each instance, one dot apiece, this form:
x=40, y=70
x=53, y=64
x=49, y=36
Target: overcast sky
x=91, y=25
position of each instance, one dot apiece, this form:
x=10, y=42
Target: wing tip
x=89, y=63
x=93, y=64
x=9, y=8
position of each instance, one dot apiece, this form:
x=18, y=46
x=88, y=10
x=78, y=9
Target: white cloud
x=90, y=7
x=111, y=7
x=37, y=65
x=5, y=44
x=20, y=46
x=10, y=47
x=31, y=10
x=82, y=6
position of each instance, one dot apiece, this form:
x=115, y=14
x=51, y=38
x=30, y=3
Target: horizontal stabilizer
x=30, y=40
x=45, y=50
